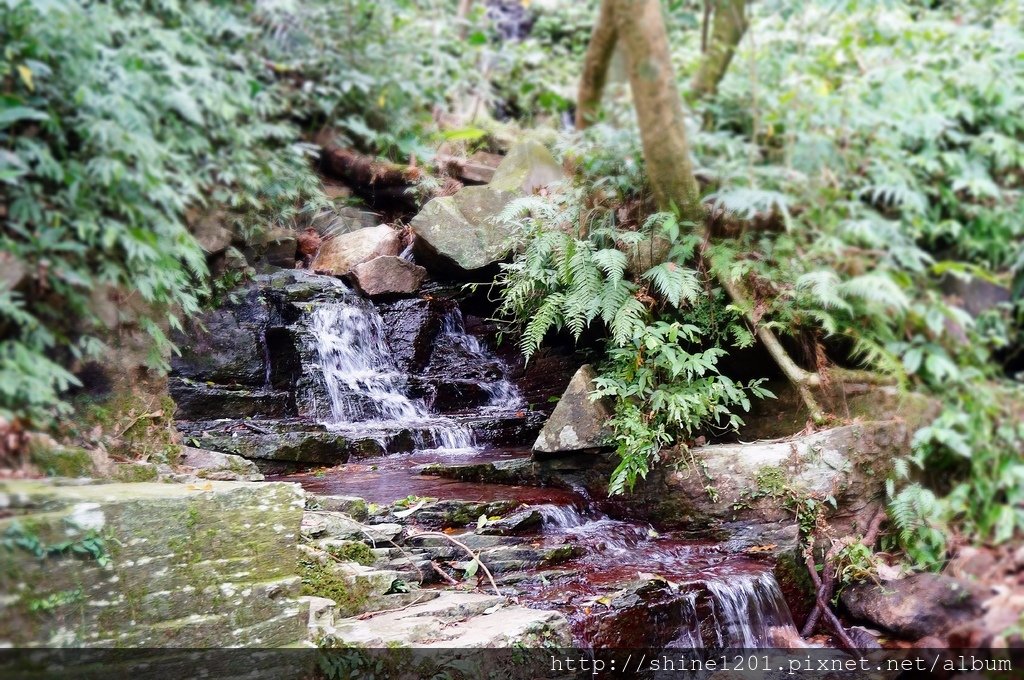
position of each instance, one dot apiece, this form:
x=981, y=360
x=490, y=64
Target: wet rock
x=278, y=441
x=449, y=513
x=913, y=607
x=457, y=621
x=352, y=506
x=355, y=588
x=527, y=167
x=578, y=422
x=457, y=234
x=220, y=466
x=224, y=346
x=336, y=525
x=516, y=523
x=516, y=472
x=753, y=482
x=411, y=325
x=388, y=275
x=189, y=565
x=340, y=254
x=279, y=247
x=201, y=401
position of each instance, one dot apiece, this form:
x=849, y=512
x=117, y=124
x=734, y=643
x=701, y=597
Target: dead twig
x=440, y=572
x=368, y=615
x=469, y=552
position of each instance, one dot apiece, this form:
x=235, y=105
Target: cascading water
x=711, y=599
x=749, y=612
x=364, y=386
x=501, y=393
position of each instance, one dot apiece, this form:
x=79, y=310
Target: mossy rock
x=58, y=461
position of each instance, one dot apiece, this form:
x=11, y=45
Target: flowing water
x=711, y=596
x=366, y=390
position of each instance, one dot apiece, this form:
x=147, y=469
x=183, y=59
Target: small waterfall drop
x=501, y=393
x=365, y=388
x=746, y=612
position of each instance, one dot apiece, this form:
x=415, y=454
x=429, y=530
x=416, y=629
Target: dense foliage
x=118, y=117
x=862, y=153
x=880, y=145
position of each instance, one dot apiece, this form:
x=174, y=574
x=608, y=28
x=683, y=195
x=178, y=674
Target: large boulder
x=209, y=231
x=527, y=167
x=340, y=254
x=388, y=275
x=456, y=234
x=224, y=345
x=151, y=565
x=578, y=422
x=762, y=482
x=913, y=607
x=220, y=466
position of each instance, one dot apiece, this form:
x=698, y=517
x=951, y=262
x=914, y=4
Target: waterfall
x=501, y=393
x=748, y=611
x=363, y=384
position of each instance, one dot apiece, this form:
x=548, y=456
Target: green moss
x=771, y=481
x=320, y=580
x=135, y=472
x=57, y=461
x=562, y=553
x=353, y=551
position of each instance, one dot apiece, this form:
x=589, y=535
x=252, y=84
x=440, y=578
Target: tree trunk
x=641, y=29
x=462, y=14
x=728, y=27
x=595, y=64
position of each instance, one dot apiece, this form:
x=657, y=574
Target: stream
x=624, y=576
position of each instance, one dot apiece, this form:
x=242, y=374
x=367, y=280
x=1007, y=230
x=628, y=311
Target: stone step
x=113, y=562
x=233, y=629
x=457, y=620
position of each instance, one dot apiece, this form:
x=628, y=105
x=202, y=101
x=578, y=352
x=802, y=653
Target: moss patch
x=352, y=551
x=58, y=461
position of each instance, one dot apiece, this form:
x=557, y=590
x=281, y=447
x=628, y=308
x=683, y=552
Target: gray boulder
x=219, y=466
x=578, y=422
x=340, y=254
x=528, y=166
x=759, y=482
x=457, y=233
x=913, y=607
x=388, y=275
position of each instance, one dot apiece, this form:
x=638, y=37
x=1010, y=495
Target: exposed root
x=826, y=583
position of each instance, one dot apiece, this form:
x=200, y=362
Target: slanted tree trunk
x=729, y=25
x=595, y=64
x=659, y=108
x=638, y=27
x=462, y=14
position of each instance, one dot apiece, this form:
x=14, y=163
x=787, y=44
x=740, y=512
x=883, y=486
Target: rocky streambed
x=421, y=426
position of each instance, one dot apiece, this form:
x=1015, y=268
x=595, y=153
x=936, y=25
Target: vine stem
x=469, y=551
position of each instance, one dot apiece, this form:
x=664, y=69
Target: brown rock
x=340, y=254
x=914, y=607
x=388, y=275
x=211, y=234
x=309, y=244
